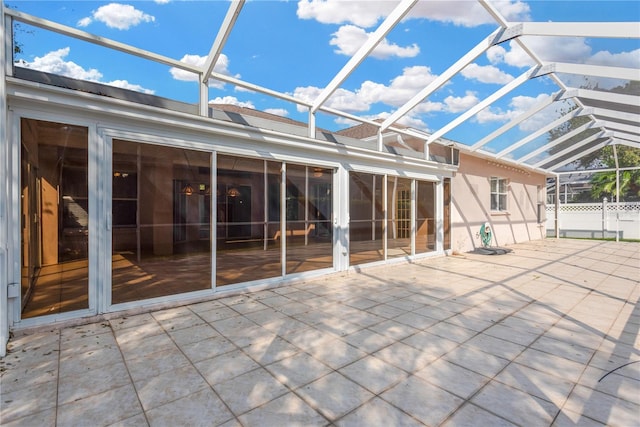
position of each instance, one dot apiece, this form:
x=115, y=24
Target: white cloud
x=456, y=104
x=622, y=59
x=550, y=49
x=413, y=121
x=426, y=107
x=350, y=38
x=469, y=14
x=116, y=15
x=486, y=74
x=515, y=56
x=199, y=61
x=346, y=122
x=54, y=62
x=399, y=90
x=560, y=49
x=542, y=118
x=518, y=106
x=282, y=112
x=232, y=100
x=410, y=119
x=162, y=1
x=570, y=50
x=341, y=99
x=367, y=13
x=85, y=22
x=126, y=85
x=361, y=13
x=494, y=114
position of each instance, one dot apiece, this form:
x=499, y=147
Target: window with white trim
x=498, y=194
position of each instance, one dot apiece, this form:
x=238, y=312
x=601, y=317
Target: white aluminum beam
x=626, y=136
x=516, y=121
x=620, y=127
x=589, y=70
x=559, y=140
x=579, y=155
x=223, y=34
x=616, y=115
x=214, y=53
x=598, y=95
x=101, y=41
x=539, y=132
x=443, y=78
x=256, y=88
x=571, y=148
x=483, y=104
x=612, y=30
x=387, y=25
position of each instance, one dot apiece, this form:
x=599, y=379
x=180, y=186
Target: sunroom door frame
x=108, y=135
x=14, y=254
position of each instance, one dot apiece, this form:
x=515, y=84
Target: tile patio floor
x=546, y=335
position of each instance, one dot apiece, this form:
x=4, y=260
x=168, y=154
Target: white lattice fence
x=596, y=220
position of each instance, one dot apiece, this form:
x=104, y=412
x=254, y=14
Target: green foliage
x=604, y=185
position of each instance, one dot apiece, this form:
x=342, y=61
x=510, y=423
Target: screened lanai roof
x=541, y=83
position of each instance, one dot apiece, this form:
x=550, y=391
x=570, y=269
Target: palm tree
x=604, y=185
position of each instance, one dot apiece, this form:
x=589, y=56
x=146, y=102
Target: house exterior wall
x=471, y=204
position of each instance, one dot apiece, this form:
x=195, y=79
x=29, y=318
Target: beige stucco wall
x=471, y=204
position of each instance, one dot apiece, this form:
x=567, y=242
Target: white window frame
x=499, y=201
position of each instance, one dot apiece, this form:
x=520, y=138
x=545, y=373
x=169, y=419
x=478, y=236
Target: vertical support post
x=306, y=206
x=413, y=216
x=385, y=209
x=340, y=199
x=265, y=212
x=557, y=208
x=311, y=125
x=615, y=156
x=204, y=96
x=138, y=213
x=440, y=212
x=604, y=216
x=283, y=217
x=213, y=218
x=4, y=179
x=373, y=208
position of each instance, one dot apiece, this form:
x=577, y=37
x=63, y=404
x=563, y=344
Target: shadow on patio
x=546, y=335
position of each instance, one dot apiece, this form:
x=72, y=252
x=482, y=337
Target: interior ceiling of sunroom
x=497, y=77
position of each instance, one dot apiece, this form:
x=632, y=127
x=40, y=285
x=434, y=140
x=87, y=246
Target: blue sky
x=296, y=47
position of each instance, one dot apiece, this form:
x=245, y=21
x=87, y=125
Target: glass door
x=55, y=218
x=160, y=209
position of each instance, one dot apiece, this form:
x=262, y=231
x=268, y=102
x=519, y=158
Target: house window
x=498, y=194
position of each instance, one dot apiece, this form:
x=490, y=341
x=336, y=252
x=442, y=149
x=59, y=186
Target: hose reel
x=485, y=234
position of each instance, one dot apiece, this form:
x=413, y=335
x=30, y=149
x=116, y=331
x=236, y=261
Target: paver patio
x=545, y=335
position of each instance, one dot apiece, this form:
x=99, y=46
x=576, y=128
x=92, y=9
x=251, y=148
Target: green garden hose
x=485, y=234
